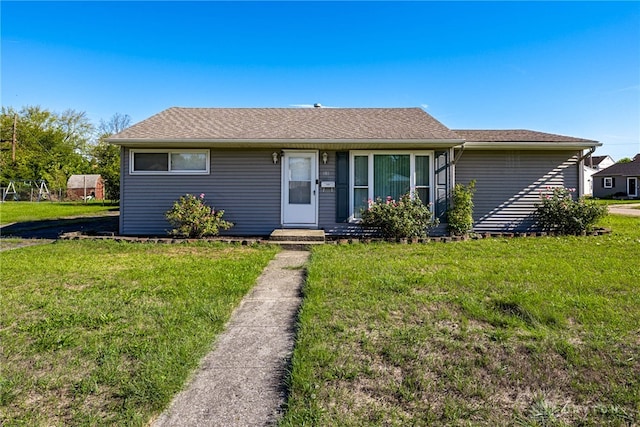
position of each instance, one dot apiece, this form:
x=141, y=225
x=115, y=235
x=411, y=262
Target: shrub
x=191, y=217
x=405, y=218
x=558, y=212
x=460, y=216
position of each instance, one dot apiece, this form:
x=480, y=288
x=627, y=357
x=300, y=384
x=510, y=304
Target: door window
x=299, y=181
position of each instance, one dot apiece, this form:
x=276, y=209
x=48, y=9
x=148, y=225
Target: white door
x=299, y=188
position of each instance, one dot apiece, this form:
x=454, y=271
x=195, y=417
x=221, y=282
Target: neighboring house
x=84, y=187
x=620, y=180
x=594, y=164
x=270, y=168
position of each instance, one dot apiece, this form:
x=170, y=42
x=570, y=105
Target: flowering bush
x=405, y=218
x=558, y=212
x=460, y=216
x=190, y=217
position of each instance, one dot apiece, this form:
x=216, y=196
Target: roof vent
x=317, y=105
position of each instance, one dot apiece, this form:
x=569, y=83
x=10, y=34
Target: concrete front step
x=295, y=245
x=297, y=235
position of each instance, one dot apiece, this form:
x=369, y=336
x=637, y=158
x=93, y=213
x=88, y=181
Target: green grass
x=36, y=211
x=524, y=331
x=105, y=333
x=616, y=202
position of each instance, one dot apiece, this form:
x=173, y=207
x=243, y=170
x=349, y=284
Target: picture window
x=154, y=162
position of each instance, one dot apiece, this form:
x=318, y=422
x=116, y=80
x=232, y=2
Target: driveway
x=52, y=229
x=630, y=209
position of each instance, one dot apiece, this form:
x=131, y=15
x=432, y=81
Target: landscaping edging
x=163, y=240
x=330, y=240
x=474, y=236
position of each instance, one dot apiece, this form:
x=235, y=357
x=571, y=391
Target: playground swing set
x=41, y=186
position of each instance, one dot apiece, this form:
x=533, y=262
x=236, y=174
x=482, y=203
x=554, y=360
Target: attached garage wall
x=508, y=184
x=245, y=183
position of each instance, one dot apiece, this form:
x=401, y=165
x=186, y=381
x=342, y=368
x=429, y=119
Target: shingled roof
x=287, y=124
x=515, y=135
x=631, y=168
x=595, y=160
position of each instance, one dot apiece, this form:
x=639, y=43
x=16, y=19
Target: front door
x=299, y=189
x=632, y=187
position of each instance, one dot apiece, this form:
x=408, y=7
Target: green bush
x=405, y=218
x=460, y=216
x=191, y=217
x=559, y=213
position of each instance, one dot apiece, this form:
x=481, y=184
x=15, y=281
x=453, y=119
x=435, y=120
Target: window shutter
x=441, y=184
x=613, y=182
x=342, y=186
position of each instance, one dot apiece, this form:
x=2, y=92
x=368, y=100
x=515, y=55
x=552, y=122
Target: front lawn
x=523, y=331
x=105, y=333
x=608, y=202
x=36, y=211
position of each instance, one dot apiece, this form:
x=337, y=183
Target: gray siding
x=620, y=186
x=327, y=197
x=508, y=184
x=245, y=183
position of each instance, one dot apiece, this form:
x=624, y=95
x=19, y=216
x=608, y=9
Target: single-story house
x=592, y=165
x=271, y=168
x=618, y=180
x=84, y=187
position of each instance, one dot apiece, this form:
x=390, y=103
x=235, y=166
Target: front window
x=360, y=183
x=608, y=182
x=169, y=162
x=389, y=175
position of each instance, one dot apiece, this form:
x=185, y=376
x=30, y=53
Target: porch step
x=297, y=235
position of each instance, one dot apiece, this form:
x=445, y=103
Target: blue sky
x=571, y=68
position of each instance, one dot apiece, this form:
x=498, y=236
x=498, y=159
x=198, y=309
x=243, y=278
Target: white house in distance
x=594, y=164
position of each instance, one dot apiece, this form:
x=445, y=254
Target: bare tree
x=106, y=156
x=117, y=123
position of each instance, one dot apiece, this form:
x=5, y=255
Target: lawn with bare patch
x=105, y=333
x=523, y=331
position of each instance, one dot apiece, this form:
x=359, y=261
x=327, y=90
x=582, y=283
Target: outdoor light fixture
x=325, y=156
x=274, y=156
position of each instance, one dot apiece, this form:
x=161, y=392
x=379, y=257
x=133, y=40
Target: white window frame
x=412, y=172
x=607, y=182
x=169, y=171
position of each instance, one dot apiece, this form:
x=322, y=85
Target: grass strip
x=609, y=202
x=105, y=333
x=525, y=331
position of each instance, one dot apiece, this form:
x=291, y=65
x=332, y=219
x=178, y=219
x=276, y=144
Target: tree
x=116, y=124
x=50, y=146
x=106, y=156
x=624, y=160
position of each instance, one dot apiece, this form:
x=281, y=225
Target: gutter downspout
x=457, y=156
x=590, y=152
x=581, y=186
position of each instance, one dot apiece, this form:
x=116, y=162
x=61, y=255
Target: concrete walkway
x=241, y=381
x=630, y=209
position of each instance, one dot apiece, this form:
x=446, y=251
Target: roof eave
x=528, y=145
x=281, y=143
